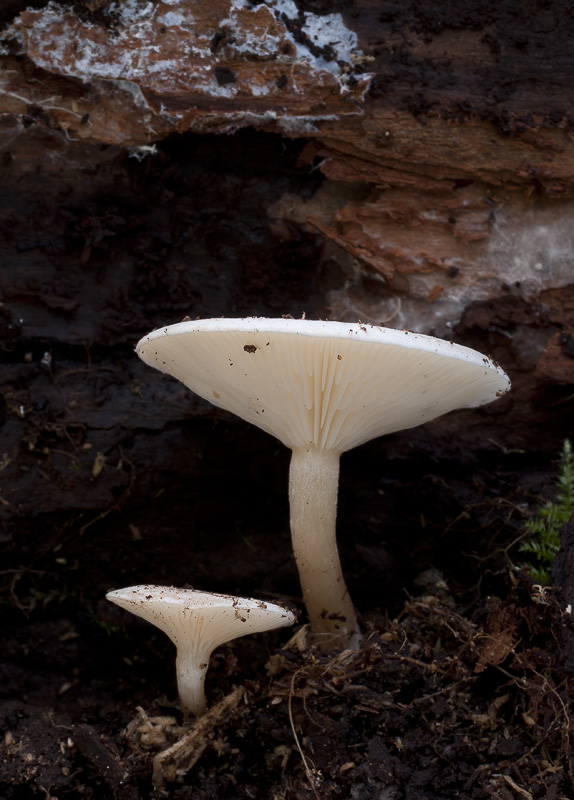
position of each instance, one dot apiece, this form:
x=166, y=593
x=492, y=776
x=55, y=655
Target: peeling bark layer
x=204, y=67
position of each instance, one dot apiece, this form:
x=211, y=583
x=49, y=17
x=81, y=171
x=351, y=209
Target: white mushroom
x=322, y=388
x=197, y=623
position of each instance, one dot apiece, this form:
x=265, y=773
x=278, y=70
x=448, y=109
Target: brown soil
x=113, y=475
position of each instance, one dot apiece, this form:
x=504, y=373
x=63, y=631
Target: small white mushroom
x=197, y=623
x=322, y=388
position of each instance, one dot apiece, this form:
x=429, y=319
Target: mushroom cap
x=334, y=385
x=200, y=621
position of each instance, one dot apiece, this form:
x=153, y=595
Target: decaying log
x=443, y=130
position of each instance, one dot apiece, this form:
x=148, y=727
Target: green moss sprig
x=543, y=541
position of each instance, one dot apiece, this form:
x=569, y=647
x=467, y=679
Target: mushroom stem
x=313, y=486
x=191, y=683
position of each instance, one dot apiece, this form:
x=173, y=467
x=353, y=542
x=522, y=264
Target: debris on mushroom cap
x=333, y=384
x=200, y=620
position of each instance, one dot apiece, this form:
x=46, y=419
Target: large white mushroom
x=197, y=623
x=322, y=388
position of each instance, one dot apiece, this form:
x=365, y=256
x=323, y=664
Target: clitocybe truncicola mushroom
x=197, y=623
x=322, y=388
